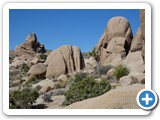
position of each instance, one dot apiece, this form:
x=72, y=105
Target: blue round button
x=147, y=99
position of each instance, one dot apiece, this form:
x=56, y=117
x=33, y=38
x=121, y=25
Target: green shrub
x=94, y=53
x=121, y=71
x=32, y=80
x=43, y=56
x=22, y=99
x=24, y=68
x=79, y=76
x=11, y=57
x=88, y=87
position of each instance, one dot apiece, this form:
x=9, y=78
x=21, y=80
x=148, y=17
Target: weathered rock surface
x=44, y=89
x=139, y=77
x=66, y=59
x=45, y=85
x=38, y=70
x=137, y=42
x=127, y=80
x=90, y=63
x=113, y=60
x=118, y=27
x=134, y=62
x=126, y=96
x=62, y=77
x=110, y=74
x=57, y=102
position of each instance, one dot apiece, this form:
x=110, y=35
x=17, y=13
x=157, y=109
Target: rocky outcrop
x=126, y=96
x=66, y=59
x=38, y=70
x=115, y=41
x=28, y=49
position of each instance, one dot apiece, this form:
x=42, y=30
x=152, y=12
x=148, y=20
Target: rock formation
x=53, y=69
x=66, y=59
x=115, y=41
x=38, y=70
x=28, y=49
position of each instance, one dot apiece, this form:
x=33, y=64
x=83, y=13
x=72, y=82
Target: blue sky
x=55, y=28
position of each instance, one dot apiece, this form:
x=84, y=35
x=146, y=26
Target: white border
x=8, y=6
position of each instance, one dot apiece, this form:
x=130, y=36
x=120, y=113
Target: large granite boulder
x=38, y=70
x=118, y=27
x=66, y=59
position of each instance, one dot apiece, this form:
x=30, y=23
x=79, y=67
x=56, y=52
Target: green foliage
x=94, y=53
x=32, y=80
x=80, y=76
x=24, y=68
x=121, y=71
x=43, y=56
x=11, y=57
x=88, y=87
x=22, y=99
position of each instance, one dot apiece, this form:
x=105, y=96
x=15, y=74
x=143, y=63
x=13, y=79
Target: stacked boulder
x=118, y=46
x=115, y=42
x=66, y=59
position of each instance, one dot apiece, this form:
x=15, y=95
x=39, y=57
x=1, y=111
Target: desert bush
x=24, y=68
x=94, y=53
x=11, y=57
x=46, y=97
x=22, y=99
x=43, y=57
x=85, y=88
x=121, y=71
x=80, y=76
x=33, y=80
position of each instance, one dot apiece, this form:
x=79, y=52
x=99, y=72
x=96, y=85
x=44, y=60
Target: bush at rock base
x=84, y=89
x=94, y=53
x=121, y=71
x=32, y=80
x=22, y=99
x=43, y=56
